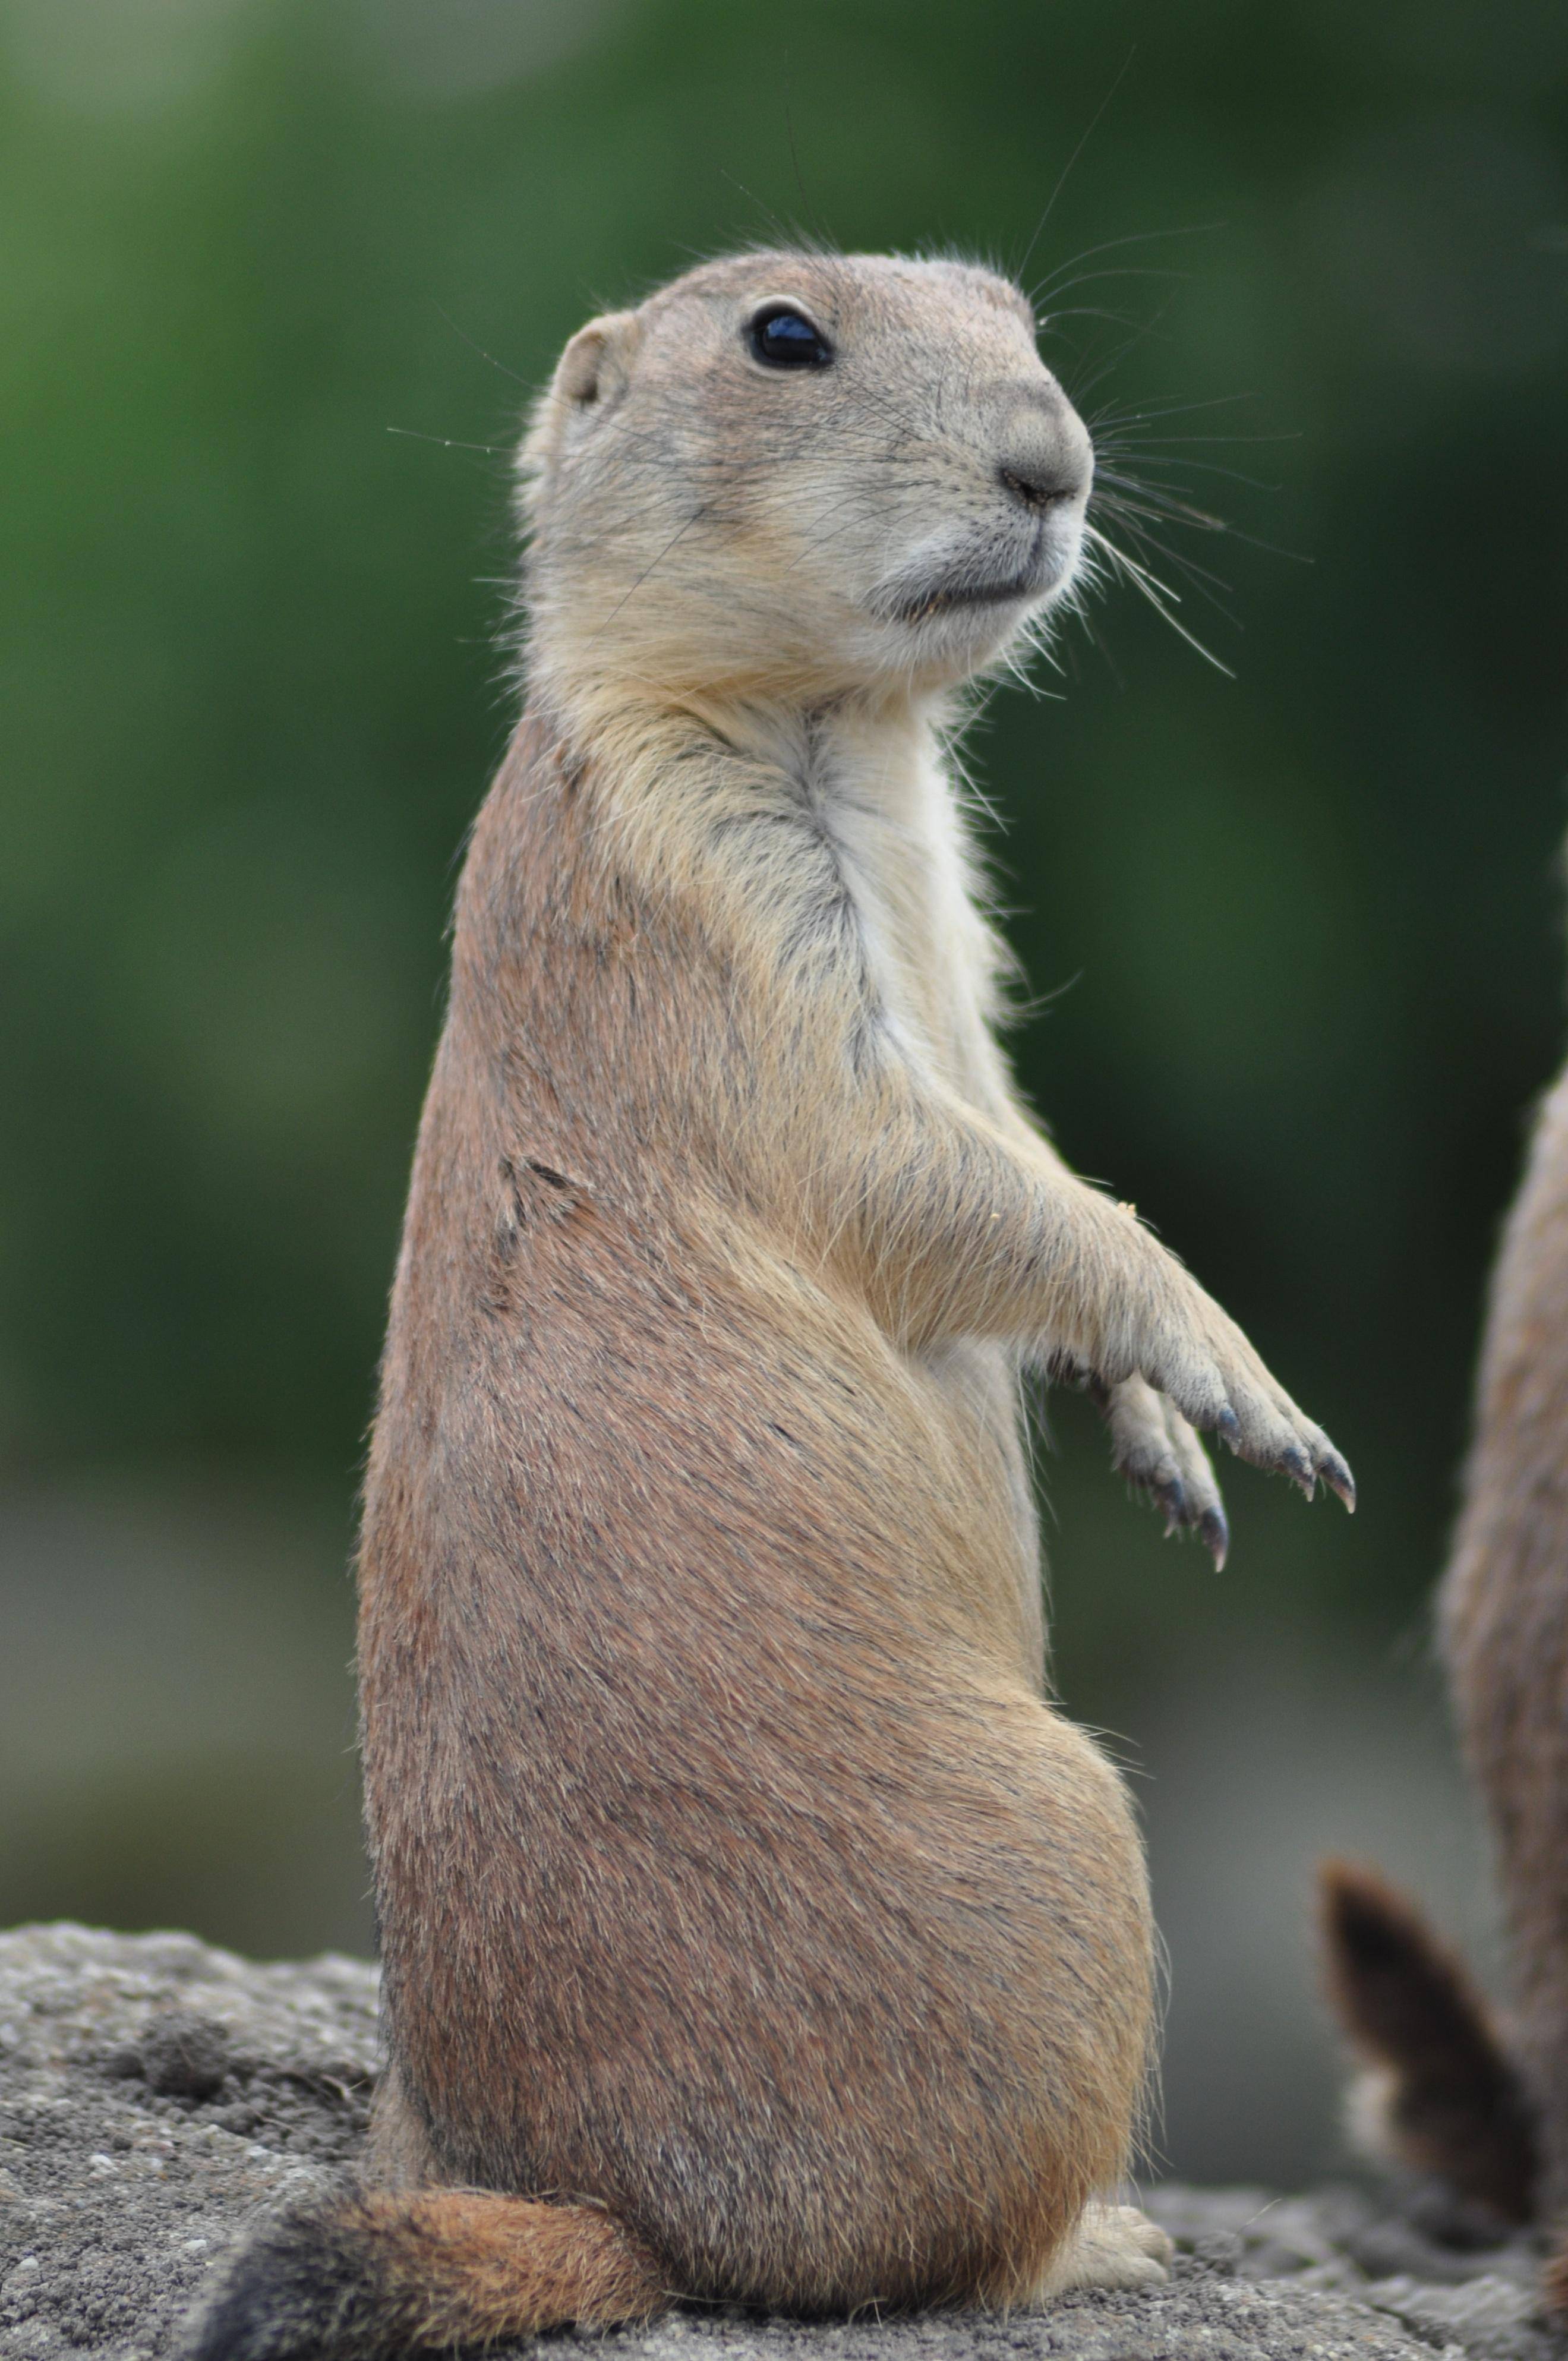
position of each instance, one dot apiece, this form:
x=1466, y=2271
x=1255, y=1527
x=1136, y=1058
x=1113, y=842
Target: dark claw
x=1215, y=1535
x=1228, y=1427
x=1299, y=1468
x=1171, y=1500
x=1336, y=1475
x=1167, y=1492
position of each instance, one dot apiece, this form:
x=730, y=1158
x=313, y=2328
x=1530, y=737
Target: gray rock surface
x=155, y=2093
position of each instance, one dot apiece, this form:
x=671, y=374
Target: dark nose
x=1037, y=486
x=1045, y=456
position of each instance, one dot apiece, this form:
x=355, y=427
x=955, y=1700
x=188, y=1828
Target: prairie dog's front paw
x=1156, y=1449
x=1254, y=1413
x=1155, y=1323
x=1110, y=2247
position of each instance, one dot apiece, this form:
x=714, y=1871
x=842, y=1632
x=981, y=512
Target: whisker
x=1141, y=522
x=1115, y=360
x=786, y=234
x=484, y=356
x=1210, y=587
x=1159, y=502
x=1164, y=442
x=1177, y=511
x=1135, y=238
x=1167, y=410
x=1093, y=125
x=822, y=238
x=1121, y=271
x=1199, y=579
x=1160, y=594
x=1109, y=447
x=450, y=442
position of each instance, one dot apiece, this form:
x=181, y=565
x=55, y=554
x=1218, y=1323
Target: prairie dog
x=1505, y=1630
x=1452, y=2091
x=753, y=1929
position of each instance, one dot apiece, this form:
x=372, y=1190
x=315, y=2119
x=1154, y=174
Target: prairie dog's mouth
x=975, y=594
x=921, y=593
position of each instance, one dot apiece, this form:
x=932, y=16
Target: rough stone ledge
x=155, y=2092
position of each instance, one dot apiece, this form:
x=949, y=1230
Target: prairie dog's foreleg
x=1151, y=1443
x=964, y=1228
x=958, y=1220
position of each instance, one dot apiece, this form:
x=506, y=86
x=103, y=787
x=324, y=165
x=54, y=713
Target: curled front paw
x=1219, y=1384
x=1155, y=1448
x=1165, y=1363
x=1167, y=1332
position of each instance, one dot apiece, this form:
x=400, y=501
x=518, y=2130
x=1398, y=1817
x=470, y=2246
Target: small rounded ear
x=591, y=374
x=596, y=363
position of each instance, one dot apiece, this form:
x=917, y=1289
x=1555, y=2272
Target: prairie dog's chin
x=964, y=639
x=956, y=639
x=960, y=611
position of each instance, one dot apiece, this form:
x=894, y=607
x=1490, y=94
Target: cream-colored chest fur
x=884, y=797
x=882, y=794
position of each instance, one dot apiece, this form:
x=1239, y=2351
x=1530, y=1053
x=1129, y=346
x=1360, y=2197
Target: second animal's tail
x=368, y=2275
x=1444, y=2095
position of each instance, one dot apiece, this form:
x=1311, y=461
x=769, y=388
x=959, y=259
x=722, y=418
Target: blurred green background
x=276, y=279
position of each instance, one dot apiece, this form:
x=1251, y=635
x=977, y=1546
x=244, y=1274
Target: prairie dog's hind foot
x=1110, y=2247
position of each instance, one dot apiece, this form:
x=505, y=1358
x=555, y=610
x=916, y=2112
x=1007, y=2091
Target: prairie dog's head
x=805, y=473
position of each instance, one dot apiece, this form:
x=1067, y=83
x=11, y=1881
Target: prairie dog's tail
x=1443, y=2096
x=366, y=2275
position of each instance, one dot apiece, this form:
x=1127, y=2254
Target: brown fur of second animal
x=1480, y=2103
x=753, y=1927
x=1505, y=1624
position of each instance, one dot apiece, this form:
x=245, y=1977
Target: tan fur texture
x=734, y=1876
x=1505, y=1619
x=1504, y=1609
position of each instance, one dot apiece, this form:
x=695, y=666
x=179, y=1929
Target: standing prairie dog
x=754, y=1929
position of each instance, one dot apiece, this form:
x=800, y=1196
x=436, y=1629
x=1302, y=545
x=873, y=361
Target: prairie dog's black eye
x=781, y=338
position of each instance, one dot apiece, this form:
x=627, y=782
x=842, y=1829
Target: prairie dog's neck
x=867, y=778
x=876, y=782
x=875, y=751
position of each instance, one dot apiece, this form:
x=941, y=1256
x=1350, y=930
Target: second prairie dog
x=753, y=1929
x=1505, y=1632
x=1453, y=2090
